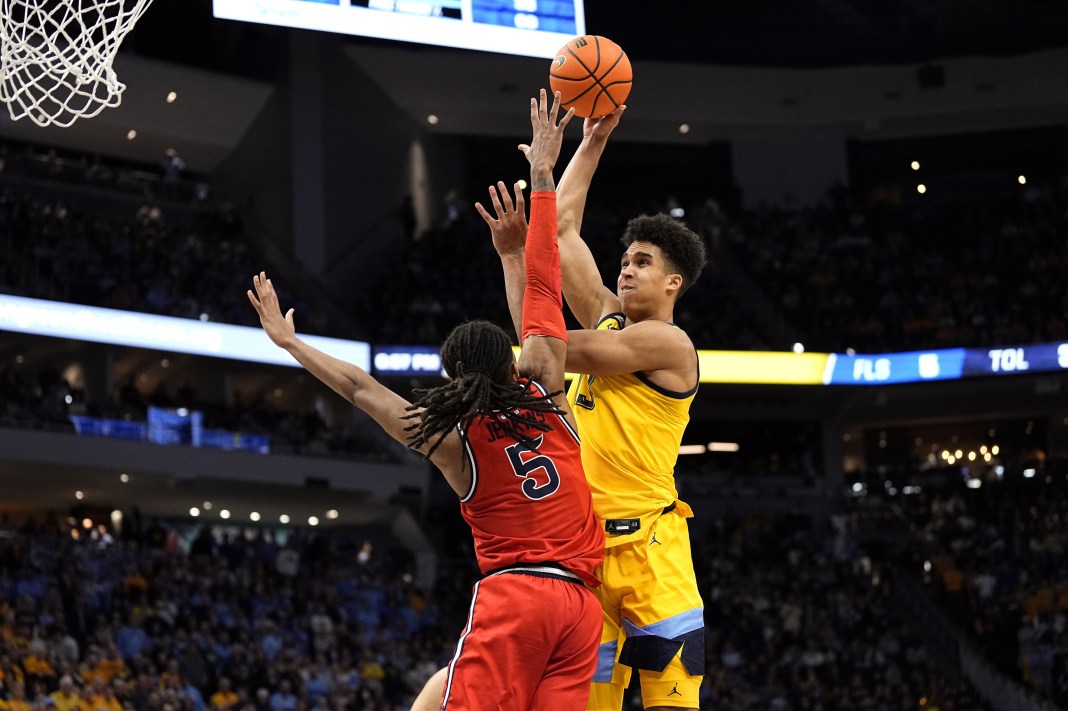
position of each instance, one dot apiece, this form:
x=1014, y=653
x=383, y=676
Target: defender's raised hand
x=544, y=148
x=280, y=329
x=509, y=227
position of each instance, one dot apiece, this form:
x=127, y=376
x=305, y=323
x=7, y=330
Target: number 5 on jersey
x=527, y=463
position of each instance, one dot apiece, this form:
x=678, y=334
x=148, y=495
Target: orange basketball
x=592, y=74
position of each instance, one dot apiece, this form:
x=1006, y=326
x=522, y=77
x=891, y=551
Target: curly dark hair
x=682, y=247
x=477, y=356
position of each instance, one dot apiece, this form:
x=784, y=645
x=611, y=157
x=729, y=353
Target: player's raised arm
x=587, y=296
x=508, y=226
x=348, y=380
x=544, y=331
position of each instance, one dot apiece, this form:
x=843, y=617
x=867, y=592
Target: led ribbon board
x=945, y=364
x=164, y=333
x=178, y=335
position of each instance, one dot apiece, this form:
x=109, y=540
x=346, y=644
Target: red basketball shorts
x=530, y=643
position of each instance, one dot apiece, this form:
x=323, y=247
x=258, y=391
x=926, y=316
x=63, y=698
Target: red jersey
x=529, y=505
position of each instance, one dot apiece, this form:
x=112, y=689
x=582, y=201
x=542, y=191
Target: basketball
x=592, y=74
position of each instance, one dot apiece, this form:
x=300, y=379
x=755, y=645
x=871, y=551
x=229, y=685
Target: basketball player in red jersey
x=504, y=439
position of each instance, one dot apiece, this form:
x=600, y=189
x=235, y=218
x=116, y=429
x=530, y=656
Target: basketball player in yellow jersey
x=632, y=406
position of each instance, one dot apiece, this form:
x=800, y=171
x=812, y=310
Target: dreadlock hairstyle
x=477, y=356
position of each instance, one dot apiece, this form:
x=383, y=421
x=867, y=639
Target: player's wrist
x=541, y=180
x=594, y=140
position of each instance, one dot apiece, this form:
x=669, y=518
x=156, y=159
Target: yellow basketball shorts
x=653, y=619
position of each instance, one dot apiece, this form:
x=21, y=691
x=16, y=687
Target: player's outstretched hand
x=544, y=148
x=508, y=222
x=601, y=128
x=280, y=329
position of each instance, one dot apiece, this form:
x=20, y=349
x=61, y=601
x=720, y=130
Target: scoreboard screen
x=532, y=28
x=945, y=364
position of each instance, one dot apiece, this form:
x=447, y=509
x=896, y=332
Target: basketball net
x=56, y=55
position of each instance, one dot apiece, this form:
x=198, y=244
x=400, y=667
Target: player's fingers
x=555, y=110
x=289, y=316
x=496, y=200
x=543, y=105
x=533, y=111
x=567, y=117
x=254, y=300
x=520, y=201
x=506, y=197
x=524, y=148
x=490, y=219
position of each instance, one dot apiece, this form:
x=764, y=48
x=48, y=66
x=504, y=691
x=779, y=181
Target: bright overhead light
x=79, y=495
x=194, y=512
x=284, y=518
x=684, y=128
x=255, y=516
x=124, y=478
x=1022, y=180
x=313, y=520
x=207, y=505
x=921, y=188
x=723, y=447
x=692, y=449
x=332, y=513
x=172, y=97
x=224, y=514
x=799, y=348
x=915, y=165
x=433, y=119
x=131, y=134
x=522, y=184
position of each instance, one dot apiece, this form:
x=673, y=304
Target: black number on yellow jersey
x=584, y=396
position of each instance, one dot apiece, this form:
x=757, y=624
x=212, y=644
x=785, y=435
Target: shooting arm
x=586, y=295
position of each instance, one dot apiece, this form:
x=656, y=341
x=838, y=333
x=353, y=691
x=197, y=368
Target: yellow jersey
x=630, y=430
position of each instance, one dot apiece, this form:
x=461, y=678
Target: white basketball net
x=56, y=55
